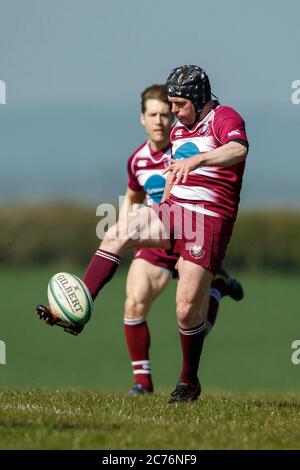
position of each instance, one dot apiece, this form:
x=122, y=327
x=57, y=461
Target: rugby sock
x=191, y=345
x=100, y=270
x=138, y=341
x=214, y=303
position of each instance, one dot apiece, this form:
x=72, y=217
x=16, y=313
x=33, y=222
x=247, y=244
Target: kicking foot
x=46, y=314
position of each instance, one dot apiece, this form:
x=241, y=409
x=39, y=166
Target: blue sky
x=74, y=71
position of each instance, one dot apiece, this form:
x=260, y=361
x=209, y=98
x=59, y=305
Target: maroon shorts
x=158, y=257
x=199, y=238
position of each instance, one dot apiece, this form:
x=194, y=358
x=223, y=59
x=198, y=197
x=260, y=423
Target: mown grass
x=86, y=419
x=62, y=392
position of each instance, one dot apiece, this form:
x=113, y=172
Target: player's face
x=183, y=109
x=157, y=120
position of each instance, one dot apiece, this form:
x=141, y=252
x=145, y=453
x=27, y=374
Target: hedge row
x=67, y=234
x=266, y=240
x=47, y=234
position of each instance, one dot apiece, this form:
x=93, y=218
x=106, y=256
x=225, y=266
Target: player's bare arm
x=228, y=154
x=131, y=197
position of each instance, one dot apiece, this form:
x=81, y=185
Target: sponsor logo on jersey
x=154, y=187
x=186, y=150
x=142, y=163
x=197, y=252
x=235, y=132
x=179, y=132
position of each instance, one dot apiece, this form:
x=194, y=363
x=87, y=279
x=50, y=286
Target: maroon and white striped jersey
x=145, y=169
x=210, y=190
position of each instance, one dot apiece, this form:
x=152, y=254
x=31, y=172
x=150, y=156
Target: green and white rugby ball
x=69, y=298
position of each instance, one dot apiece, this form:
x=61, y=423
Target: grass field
x=46, y=419
x=251, y=389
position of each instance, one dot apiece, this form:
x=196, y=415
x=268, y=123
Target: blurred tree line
x=66, y=234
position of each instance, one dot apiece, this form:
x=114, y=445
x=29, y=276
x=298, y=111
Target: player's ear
x=142, y=118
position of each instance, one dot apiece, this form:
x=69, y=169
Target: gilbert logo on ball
x=69, y=298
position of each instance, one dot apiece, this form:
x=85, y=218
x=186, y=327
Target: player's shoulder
x=141, y=152
x=225, y=112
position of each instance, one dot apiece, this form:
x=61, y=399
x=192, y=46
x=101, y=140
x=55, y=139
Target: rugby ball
x=69, y=298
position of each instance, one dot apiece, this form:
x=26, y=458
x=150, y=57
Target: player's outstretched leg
x=222, y=285
x=44, y=313
x=141, y=228
x=136, y=230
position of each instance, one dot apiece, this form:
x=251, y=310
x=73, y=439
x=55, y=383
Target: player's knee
x=184, y=313
x=113, y=240
x=135, y=309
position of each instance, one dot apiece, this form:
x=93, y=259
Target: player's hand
x=180, y=169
